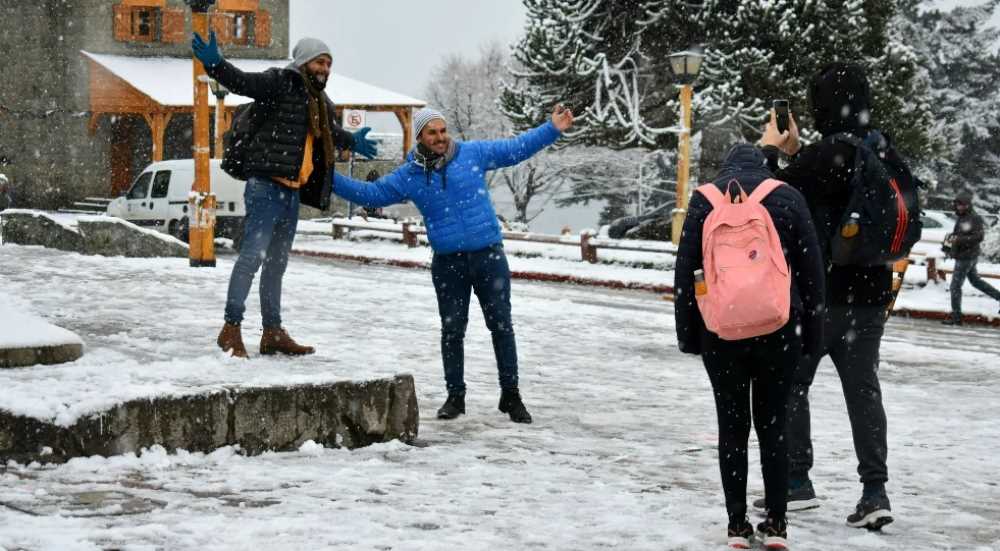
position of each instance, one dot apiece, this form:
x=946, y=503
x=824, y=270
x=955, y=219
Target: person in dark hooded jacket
x=857, y=296
x=764, y=364
x=964, y=243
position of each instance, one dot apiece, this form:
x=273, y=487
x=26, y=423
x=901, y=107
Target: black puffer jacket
x=278, y=147
x=822, y=171
x=793, y=223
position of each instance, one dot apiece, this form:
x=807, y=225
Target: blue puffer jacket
x=459, y=216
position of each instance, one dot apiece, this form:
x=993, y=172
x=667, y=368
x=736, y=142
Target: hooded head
x=840, y=99
x=963, y=202
x=312, y=57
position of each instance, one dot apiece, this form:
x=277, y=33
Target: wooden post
x=932, y=272
x=683, y=164
x=338, y=231
x=220, y=123
x=158, y=127
x=409, y=236
x=405, y=117
x=202, y=201
x=587, y=250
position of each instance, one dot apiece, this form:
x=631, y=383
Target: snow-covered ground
x=621, y=454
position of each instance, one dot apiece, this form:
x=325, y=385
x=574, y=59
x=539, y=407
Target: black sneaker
x=800, y=497
x=740, y=534
x=952, y=321
x=511, y=404
x=773, y=533
x=453, y=407
x=873, y=512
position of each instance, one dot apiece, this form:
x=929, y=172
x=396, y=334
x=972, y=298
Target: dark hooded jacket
x=746, y=164
x=969, y=232
x=278, y=146
x=840, y=100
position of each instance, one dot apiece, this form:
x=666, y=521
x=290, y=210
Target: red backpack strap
x=712, y=193
x=764, y=188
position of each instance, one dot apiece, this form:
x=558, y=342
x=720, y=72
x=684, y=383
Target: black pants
x=851, y=336
x=966, y=268
x=758, y=370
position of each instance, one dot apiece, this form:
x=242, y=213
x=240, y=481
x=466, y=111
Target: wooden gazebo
x=156, y=89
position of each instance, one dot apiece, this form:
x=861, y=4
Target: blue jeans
x=272, y=214
x=455, y=276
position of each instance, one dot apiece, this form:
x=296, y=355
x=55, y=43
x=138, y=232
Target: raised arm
x=387, y=190
x=259, y=86
x=509, y=152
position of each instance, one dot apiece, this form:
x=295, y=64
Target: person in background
x=445, y=180
x=964, y=242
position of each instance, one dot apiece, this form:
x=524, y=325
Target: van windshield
x=161, y=184
x=140, y=189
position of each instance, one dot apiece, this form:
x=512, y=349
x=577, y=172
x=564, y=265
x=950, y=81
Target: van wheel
x=179, y=229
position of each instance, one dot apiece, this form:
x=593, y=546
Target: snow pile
x=19, y=329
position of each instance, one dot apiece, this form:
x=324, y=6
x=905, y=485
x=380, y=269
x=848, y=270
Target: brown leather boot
x=231, y=340
x=276, y=339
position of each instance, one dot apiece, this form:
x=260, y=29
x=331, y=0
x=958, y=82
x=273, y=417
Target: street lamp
x=220, y=92
x=685, y=66
x=201, y=233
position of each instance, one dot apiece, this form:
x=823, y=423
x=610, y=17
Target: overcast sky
x=395, y=43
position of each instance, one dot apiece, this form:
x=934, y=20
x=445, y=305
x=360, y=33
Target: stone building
x=91, y=91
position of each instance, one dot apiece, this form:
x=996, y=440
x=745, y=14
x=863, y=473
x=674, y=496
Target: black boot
x=953, y=320
x=453, y=407
x=511, y=404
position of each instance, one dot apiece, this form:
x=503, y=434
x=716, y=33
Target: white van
x=158, y=198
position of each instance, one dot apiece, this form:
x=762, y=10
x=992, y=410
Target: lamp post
x=685, y=66
x=220, y=92
x=201, y=226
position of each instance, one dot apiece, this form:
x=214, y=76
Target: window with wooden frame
x=148, y=21
x=242, y=27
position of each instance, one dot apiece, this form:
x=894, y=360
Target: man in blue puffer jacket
x=445, y=179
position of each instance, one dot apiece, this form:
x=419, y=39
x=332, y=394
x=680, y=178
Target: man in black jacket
x=857, y=296
x=964, y=242
x=288, y=160
x=765, y=363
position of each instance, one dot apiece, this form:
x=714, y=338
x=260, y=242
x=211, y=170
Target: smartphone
x=781, y=114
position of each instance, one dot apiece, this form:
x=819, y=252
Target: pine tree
x=615, y=63
x=956, y=52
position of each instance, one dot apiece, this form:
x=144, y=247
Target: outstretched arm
x=258, y=86
x=509, y=152
x=385, y=191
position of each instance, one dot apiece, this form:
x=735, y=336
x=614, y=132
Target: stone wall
x=344, y=414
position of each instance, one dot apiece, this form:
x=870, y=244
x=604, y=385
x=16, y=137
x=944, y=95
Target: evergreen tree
x=956, y=52
x=614, y=64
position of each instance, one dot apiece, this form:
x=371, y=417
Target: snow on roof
x=167, y=80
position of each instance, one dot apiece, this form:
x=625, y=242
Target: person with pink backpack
x=749, y=289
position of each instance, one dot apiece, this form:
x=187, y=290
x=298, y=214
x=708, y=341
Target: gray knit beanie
x=307, y=50
x=423, y=117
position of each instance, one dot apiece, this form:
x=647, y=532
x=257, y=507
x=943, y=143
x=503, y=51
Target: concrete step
x=348, y=414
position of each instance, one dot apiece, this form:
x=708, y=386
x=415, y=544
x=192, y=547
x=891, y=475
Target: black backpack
x=881, y=221
x=247, y=120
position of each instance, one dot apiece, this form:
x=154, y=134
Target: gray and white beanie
x=307, y=50
x=423, y=117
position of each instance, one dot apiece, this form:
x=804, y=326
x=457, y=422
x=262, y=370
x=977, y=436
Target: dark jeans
x=455, y=276
x=967, y=269
x=272, y=214
x=754, y=371
x=851, y=336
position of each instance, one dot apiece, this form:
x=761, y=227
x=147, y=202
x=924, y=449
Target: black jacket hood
x=746, y=163
x=840, y=98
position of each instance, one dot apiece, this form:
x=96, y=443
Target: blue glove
x=208, y=54
x=362, y=145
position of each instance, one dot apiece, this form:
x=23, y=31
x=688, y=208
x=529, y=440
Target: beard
x=316, y=82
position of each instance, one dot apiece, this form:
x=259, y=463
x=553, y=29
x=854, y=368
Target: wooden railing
x=586, y=241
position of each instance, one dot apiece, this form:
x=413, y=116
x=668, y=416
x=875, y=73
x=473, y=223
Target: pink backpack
x=748, y=283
